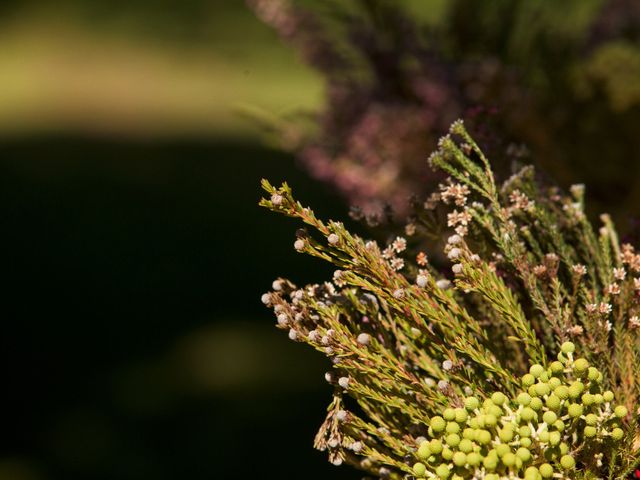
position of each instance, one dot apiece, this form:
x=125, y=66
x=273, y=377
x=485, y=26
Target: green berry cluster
x=560, y=410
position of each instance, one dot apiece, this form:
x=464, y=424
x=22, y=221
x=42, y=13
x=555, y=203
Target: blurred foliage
x=556, y=82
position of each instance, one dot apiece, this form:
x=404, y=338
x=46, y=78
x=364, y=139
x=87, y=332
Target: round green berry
x=554, y=438
x=437, y=423
x=474, y=459
x=542, y=389
x=447, y=453
x=509, y=459
x=536, y=370
x=591, y=419
x=495, y=410
x=608, y=396
x=559, y=425
x=587, y=399
x=617, y=433
x=564, y=448
x=567, y=347
x=459, y=459
x=549, y=417
x=532, y=473
x=498, y=398
x=536, y=404
x=554, y=382
x=598, y=398
x=465, y=445
x=490, y=420
x=523, y=454
x=561, y=392
x=452, y=427
x=423, y=450
x=490, y=462
x=506, y=435
x=590, y=432
x=449, y=414
x=471, y=403
x=502, y=449
x=453, y=439
x=556, y=367
x=576, y=389
x=527, y=414
x=580, y=366
x=620, y=411
x=469, y=434
x=525, y=442
x=543, y=436
x=483, y=437
x=461, y=415
x=528, y=380
x=553, y=402
x=524, y=399
x=524, y=431
x=442, y=471
x=546, y=470
x=435, y=446
x=567, y=462
x=575, y=410
x=593, y=374
x=419, y=469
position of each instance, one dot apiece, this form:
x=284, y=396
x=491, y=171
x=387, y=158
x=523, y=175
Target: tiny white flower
x=454, y=253
x=399, y=293
x=333, y=239
x=277, y=285
x=443, y=384
x=298, y=244
x=443, y=284
x=277, y=199
x=421, y=281
x=328, y=377
x=453, y=239
x=364, y=339
x=344, y=382
x=341, y=415
x=457, y=268
x=283, y=319
x=266, y=298
x=447, y=365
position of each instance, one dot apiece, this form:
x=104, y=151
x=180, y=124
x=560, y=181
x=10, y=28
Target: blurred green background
x=134, y=345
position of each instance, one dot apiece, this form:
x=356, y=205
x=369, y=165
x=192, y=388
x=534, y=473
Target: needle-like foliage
x=521, y=359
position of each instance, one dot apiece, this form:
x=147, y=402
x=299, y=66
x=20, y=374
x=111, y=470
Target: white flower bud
x=422, y=281
x=277, y=285
x=298, y=244
x=293, y=335
x=266, y=298
x=333, y=239
x=457, y=268
x=341, y=415
x=454, y=253
x=364, y=339
x=443, y=284
x=283, y=320
x=447, y=365
x=453, y=239
x=276, y=199
x=328, y=377
x=344, y=382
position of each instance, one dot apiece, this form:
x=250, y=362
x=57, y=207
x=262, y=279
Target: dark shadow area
x=134, y=342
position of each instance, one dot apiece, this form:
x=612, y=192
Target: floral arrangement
x=497, y=338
